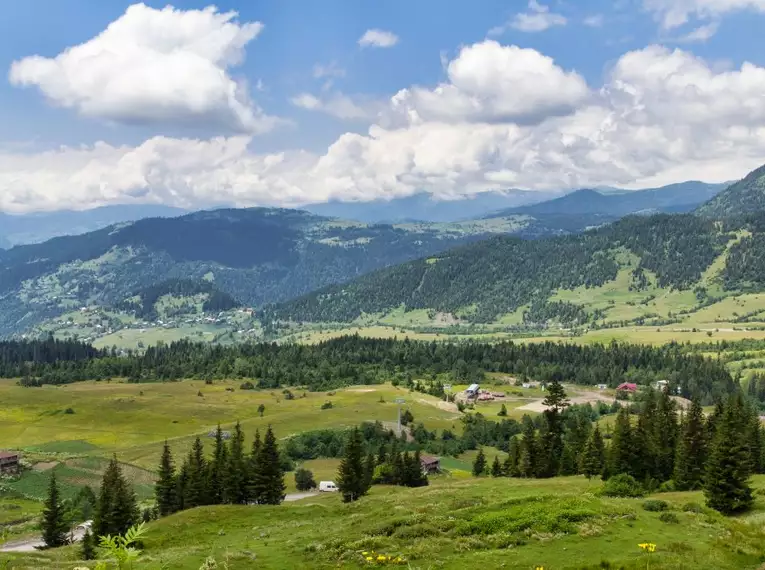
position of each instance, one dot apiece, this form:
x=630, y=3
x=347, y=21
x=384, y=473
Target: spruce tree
x=235, y=478
x=268, y=479
x=510, y=466
x=254, y=462
x=88, y=546
x=382, y=455
x=405, y=477
x=691, y=450
x=726, y=484
x=645, y=446
x=527, y=458
x=479, y=464
x=665, y=436
x=181, y=480
x=551, y=442
x=593, y=456
x=54, y=525
x=496, y=467
x=164, y=490
x=196, y=486
x=418, y=478
x=754, y=431
x=217, y=468
x=117, y=509
x=369, y=471
x=350, y=474
x=621, y=453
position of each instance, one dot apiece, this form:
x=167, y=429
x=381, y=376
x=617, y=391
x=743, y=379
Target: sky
x=275, y=103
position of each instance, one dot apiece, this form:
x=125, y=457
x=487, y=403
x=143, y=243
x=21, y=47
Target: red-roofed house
x=626, y=387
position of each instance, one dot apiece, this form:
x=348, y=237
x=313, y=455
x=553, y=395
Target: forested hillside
x=254, y=255
x=504, y=273
x=740, y=199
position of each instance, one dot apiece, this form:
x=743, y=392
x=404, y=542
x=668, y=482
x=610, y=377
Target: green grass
x=456, y=523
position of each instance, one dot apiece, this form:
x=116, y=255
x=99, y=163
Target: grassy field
x=456, y=523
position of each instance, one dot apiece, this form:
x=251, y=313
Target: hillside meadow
x=456, y=523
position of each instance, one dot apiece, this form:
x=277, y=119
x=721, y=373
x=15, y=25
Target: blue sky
x=317, y=121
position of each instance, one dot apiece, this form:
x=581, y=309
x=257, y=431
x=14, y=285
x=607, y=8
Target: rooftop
x=8, y=454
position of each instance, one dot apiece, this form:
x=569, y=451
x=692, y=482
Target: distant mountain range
x=35, y=228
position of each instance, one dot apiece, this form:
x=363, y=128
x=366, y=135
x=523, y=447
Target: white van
x=327, y=487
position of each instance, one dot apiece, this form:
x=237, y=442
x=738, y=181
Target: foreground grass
x=453, y=524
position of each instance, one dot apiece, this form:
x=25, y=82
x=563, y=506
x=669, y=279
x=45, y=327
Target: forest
x=144, y=306
x=353, y=360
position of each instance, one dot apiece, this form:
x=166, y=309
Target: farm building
x=9, y=462
x=430, y=464
x=472, y=390
x=661, y=385
x=626, y=387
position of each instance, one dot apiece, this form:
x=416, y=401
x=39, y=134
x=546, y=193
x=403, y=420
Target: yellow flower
x=365, y=553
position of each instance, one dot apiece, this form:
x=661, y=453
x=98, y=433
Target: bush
x=304, y=480
x=247, y=385
x=69, y=411
x=384, y=475
x=692, y=508
x=326, y=405
x=622, y=485
x=669, y=518
x=655, y=506
x=667, y=487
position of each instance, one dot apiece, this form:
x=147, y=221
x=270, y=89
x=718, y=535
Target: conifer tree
x=382, y=455
x=235, y=478
x=726, y=484
x=621, y=454
x=527, y=458
x=510, y=466
x=568, y=461
x=645, y=448
x=117, y=509
x=181, y=479
x=479, y=464
x=418, y=477
x=496, y=467
x=665, y=436
x=755, y=440
x=54, y=525
x=268, y=479
x=253, y=462
x=88, y=546
x=350, y=475
x=217, y=468
x=369, y=470
x=405, y=476
x=551, y=441
x=691, y=450
x=593, y=456
x=164, y=490
x=196, y=486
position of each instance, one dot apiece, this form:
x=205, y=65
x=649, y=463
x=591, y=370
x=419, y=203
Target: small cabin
x=430, y=464
x=662, y=385
x=472, y=390
x=602, y=386
x=9, y=462
x=626, y=387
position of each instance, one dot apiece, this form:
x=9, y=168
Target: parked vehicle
x=327, y=487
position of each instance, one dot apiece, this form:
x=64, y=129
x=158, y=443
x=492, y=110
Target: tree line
x=353, y=360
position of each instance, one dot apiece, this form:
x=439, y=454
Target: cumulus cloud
x=490, y=82
x=675, y=13
x=659, y=116
x=378, y=38
x=339, y=105
x=154, y=66
x=700, y=34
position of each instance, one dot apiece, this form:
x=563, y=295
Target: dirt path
x=580, y=398
x=31, y=545
x=440, y=404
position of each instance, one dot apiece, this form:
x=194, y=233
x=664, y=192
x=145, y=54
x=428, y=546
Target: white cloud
x=660, y=116
x=594, y=21
x=675, y=13
x=700, y=34
x=378, y=38
x=489, y=82
x=154, y=66
x=537, y=19
x=339, y=105
x=332, y=69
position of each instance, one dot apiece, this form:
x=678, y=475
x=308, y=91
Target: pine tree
x=726, y=484
x=551, y=442
x=180, y=486
x=665, y=436
x=496, y=467
x=593, y=456
x=645, y=447
x=54, y=526
x=117, y=509
x=527, y=458
x=350, y=474
x=755, y=440
x=217, y=468
x=382, y=455
x=691, y=450
x=254, y=462
x=369, y=471
x=568, y=461
x=236, y=475
x=418, y=477
x=405, y=477
x=88, y=547
x=502, y=411
x=510, y=466
x=164, y=490
x=479, y=464
x=621, y=453
x=196, y=487
x=268, y=479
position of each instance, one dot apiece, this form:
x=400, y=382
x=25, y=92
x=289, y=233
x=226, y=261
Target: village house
x=9, y=462
x=627, y=387
x=472, y=390
x=430, y=464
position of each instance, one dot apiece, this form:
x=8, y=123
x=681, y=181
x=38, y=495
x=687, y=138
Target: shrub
x=669, y=518
x=622, y=485
x=655, y=506
x=69, y=411
x=667, y=487
x=304, y=480
x=692, y=508
x=326, y=405
x=247, y=385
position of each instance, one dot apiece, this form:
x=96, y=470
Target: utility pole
x=399, y=401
